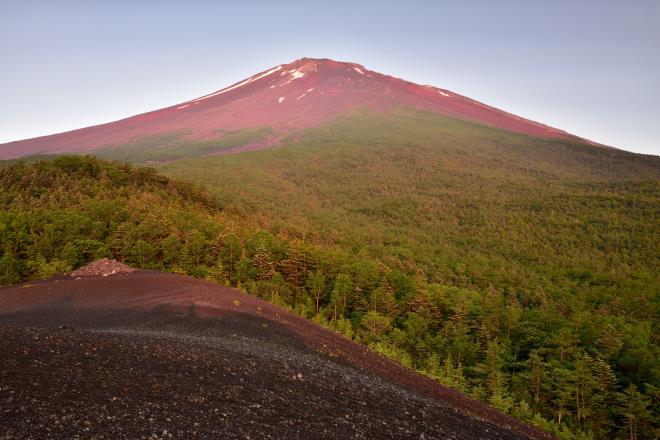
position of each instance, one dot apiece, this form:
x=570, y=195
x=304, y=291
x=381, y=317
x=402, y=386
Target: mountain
x=516, y=268
x=283, y=99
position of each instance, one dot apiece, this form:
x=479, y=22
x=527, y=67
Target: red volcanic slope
x=287, y=97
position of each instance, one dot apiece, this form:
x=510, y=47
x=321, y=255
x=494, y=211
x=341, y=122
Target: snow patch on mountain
x=295, y=74
x=240, y=84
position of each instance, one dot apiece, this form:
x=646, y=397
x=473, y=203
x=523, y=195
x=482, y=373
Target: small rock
x=103, y=267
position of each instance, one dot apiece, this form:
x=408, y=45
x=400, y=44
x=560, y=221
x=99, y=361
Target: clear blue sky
x=589, y=67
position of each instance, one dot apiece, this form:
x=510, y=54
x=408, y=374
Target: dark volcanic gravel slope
x=148, y=355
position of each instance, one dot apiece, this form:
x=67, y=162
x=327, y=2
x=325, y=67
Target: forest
x=559, y=333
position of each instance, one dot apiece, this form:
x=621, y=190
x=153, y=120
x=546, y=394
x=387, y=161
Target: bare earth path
x=153, y=355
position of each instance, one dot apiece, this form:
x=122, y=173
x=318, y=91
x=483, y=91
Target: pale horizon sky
x=589, y=67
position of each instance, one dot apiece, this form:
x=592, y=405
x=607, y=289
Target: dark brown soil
x=151, y=355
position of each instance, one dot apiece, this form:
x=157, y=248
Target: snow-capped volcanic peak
x=287, y=97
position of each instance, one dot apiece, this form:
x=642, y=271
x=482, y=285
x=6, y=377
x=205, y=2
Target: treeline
x=579, y=367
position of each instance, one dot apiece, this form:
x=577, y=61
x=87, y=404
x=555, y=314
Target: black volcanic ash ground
x=171, y=374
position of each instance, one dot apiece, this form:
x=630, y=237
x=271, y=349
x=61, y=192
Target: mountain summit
x=286, y=98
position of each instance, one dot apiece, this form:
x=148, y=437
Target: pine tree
x=340, y=295
x=294, y=267
x=142, y=253
x=601, y=398
x=376, y=323
x=263, y=263
x=197, y=247
x=536, y=378
x=217, y=273
x=563, y=391
x=491, y=371
x=634, y=408
x=316, y=284
x=231, y=251
x=217, y=245
x=447, y=374
x=383, y=300
x=170, y=249
x=424, y=306
x=245, y=271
